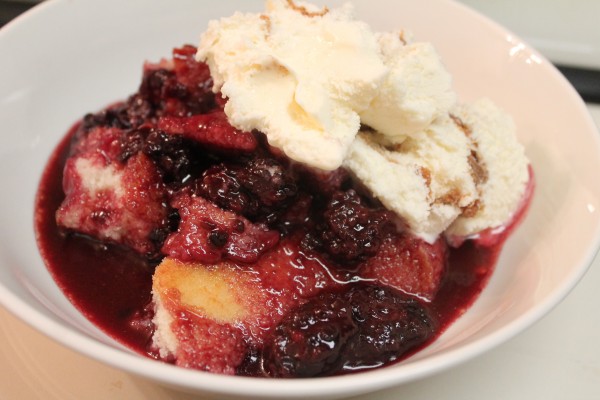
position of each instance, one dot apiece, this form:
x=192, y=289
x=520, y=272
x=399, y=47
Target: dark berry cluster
x=349, y=230
x=259, y=189
x=360, y=327
x=177, y=157
x=181, y=91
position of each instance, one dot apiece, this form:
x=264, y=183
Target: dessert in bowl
x=489, y=312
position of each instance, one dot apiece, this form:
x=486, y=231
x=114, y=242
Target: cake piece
x=207, y=233
x=211, y=130
x=409, y=264
x=118, y=202
x=206, y=316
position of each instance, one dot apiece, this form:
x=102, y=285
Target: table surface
x=557, y=358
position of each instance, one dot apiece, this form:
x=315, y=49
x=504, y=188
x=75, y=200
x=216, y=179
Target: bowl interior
x=66, y=58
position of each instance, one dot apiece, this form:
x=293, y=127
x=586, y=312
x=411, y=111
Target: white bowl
x=68, y=57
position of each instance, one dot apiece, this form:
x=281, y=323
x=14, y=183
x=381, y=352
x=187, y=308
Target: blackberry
x=157, y=85
x=259, y=189
x=350, y=231
x=128, y=115
x=182, y=91
x=178, y=158
x=363, y=326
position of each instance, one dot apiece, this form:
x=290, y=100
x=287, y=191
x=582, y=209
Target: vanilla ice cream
x=502, y=162
x=426, y=180
x=416, y=90
x=329, y=92
x=299, y=74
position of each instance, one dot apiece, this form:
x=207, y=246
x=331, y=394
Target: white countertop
x=557, y=358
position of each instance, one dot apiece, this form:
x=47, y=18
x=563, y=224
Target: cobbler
x=198, y=244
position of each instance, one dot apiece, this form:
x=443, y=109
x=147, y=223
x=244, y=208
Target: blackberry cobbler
x=199, y=244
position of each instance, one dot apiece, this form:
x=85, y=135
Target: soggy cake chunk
x=121, y=202
x=202, y=312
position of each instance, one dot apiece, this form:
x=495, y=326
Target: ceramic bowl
x=67, y=57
